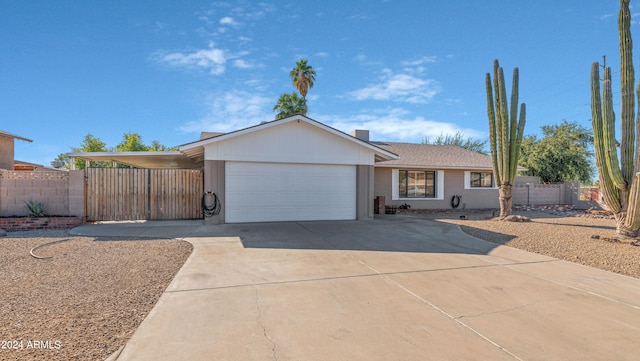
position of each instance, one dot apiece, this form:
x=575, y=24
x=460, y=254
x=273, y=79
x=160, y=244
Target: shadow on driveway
x=385, y=234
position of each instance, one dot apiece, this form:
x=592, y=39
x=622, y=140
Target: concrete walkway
x=398, y=288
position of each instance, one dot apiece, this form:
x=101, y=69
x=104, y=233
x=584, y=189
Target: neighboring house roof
x=434, y=156
x=27, y=166
x=13, y=136
x=195, y=150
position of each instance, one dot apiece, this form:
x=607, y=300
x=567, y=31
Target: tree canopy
x=290, y=104
x=458, y=139
x=562, y=154
x=303, y=77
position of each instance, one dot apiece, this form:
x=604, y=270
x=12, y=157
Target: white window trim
x=395, y=194
x=467, y=180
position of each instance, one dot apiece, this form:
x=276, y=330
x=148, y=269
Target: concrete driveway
x=398, y=288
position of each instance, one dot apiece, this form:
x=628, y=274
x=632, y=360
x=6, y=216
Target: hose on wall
x=211, y=205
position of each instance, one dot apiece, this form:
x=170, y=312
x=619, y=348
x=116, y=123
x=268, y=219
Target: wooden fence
x=116, y=194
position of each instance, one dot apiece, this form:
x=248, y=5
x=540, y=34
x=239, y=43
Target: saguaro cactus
x=619, y=177
x=505, y=133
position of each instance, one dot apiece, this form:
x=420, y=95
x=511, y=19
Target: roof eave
x=381, y=153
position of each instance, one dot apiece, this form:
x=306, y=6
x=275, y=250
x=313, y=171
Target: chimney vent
x=361, y=134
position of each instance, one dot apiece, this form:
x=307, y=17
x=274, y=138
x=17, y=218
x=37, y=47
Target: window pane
x=430, y=184
x=484, y=180
x=402, y=183
x=416, y=184
x=475, y=179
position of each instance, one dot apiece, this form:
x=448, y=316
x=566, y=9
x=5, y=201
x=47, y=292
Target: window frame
x=438, y=185
x=468, y=179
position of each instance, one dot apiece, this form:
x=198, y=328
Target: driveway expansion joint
x=497, y=312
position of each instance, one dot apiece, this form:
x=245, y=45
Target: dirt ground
x=85, y=301
x=556, y=235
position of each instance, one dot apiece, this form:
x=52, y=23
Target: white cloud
x=399, y=87
x=211, y=59
x=242, y=64
x=421, y=61
x=228, y=20
x=231, y=111
x=398, y=125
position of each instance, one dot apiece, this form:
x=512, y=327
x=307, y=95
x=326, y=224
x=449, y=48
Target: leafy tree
x=158, y=147
x=131, y=142
x=563, y=153
x=458, y=139
x=303, y=77
x=290, y=104
x=89, y=144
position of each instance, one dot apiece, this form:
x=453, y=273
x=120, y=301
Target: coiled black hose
x=211, y=205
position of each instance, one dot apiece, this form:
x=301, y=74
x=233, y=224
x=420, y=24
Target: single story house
x=296, y=169
x=7, y=151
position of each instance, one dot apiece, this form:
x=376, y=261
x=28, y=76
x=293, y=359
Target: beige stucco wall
x=214, y=181
x=453, y=185
x=61, y=192
x=364, y=192
x=6, y=153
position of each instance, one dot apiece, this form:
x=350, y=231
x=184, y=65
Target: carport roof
x=169, y=159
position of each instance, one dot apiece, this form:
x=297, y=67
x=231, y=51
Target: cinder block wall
x=544, y=194
x=61, y=192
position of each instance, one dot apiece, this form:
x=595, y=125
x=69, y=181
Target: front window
x=481, y=180
x=417, y=184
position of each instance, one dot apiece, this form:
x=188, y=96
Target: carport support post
x=214, y=181
x=364, y=193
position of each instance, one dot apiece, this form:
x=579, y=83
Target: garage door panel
x=264, y=192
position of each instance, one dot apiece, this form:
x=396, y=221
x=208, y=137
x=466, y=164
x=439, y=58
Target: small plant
x=35, y=209
x=405, y=206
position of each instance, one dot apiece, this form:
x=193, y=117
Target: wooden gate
x=117, y=194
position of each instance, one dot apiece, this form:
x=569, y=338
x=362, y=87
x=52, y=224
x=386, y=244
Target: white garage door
x=270, y=192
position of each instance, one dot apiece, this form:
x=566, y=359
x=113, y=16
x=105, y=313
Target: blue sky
x=402, y=69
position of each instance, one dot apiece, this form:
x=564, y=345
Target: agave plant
x=35, y=208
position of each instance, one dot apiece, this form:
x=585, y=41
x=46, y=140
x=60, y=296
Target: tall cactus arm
x=503, y=131
x=609, y=133
x=627, y=96
x=491, y=113
x=632, y=220
x=610, y=193
x=518, y=141
x=513, y=128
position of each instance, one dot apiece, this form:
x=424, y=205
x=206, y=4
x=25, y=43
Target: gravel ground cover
x=84, y=302
x=563, y=237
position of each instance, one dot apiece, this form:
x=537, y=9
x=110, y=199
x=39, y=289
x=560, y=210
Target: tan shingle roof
x=433, y=156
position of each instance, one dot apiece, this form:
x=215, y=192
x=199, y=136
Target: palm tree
x=303, y=77
x=290, y=104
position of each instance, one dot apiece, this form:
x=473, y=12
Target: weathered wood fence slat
x=116, y=194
